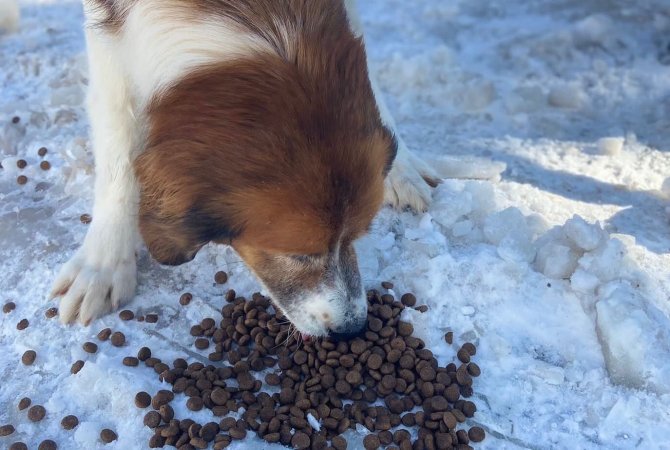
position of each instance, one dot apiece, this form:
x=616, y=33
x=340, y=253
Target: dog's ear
x=174, y=221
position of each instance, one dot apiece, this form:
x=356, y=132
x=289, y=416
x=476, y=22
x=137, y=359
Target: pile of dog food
x=265, y=379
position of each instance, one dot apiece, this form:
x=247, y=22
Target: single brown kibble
x=45, y=165
x=422, y=308
x=16, y=119
x=408, y=299
x=371, y=442
x=387, y=285
x=130, y=361
x=36, y=413
x=151, y=318
x=47, y=444
x=201, y=343
x=24, y=403
x=469, y=409
x=21, y=163
x=22, y=325
x=107, y=436
x=185, y=298
x=474, y=370
x=220, y=277
x=194, y=403
x=118, y=339
x=28, y=357
x=476, y=434
x=42, y=151
x=85, y=219
x=152, y=419
x=51, y=313
x=470, y=348
x=76, y=367
x=22, y=179
x=449, y=337
x=144, y=353
x=69, y=422
x=126, y=314
x=339, y=443
x=6, y=430
x=162, y=397
x=142, y=399
x=18, y=446
x=90, y=347
x=230, y=295
x=405, y=329
x=300, y=440
x=463, y=356
x=105, y=334
x=8, y=307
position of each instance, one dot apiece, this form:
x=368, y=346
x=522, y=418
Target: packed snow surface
x=548, y=244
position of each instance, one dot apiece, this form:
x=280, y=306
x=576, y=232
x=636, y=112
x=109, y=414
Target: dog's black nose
x=349, y=331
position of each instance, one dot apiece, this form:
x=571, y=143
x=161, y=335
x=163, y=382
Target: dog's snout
x=349, y=329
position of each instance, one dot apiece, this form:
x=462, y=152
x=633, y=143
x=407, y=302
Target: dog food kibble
x=6, y=430
x=69, y=422
x=142, y=399
x=118, y=339
x=36, y=413
x=90, y=347
x=28, y=357
x=24, y=403
x=470, y=348
x=47, y=445
x=220, y=277
x=51, y=313
x=85, y=219
x=408, y=299
x=387, y=285
x=371, y=442
x=8, y=307
x=22, y=179
x=104, y=334
x=449, y=337
x=380, y=380
x=76, y=367
x=127, y=314
x=131, y=361
x=45, y=165
x=476, y=434
x=185, y=298
x=144, y=353
x=21, y=163
x=18, y=446
x=22, y=325
x=42, y=151
x=107, y=436
x=152, y=318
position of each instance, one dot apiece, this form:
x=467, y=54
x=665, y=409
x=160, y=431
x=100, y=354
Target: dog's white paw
x=98, y=279
x=409, y=183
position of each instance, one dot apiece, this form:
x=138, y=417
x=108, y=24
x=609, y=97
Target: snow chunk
x=584, y=235
x=469, y=167
x=500, y=224
x=583, y=281
x=556, y=260
x=635, y=337
x=9, y=15
x=450, y=205
x=610, y=145
x=313, y=422
x=606, y=261
x=665, y=188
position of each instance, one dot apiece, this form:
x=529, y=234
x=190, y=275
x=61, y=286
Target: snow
x=548, y=246
x=9, y=16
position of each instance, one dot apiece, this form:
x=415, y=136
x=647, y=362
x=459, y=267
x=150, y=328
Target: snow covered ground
x=558, y=108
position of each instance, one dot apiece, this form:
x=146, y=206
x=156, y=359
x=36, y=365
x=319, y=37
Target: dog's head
x=284, y=161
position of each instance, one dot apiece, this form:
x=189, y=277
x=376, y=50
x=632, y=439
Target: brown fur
x=279, y=154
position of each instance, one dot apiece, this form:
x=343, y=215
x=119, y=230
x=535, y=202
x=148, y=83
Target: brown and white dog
x=251, y=123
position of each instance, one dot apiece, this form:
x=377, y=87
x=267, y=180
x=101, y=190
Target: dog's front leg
x=102, y=273
x=408, y=184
